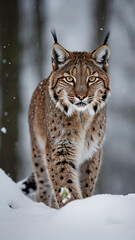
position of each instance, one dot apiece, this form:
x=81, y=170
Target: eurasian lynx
x=67, y=119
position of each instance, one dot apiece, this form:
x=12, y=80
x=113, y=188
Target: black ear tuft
x=53, y=32
x=106, y=38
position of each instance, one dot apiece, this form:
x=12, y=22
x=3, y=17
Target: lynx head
x=79, y=80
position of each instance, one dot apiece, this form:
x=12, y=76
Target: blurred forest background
x=25, y=43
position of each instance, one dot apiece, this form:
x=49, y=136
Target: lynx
x=67, y=119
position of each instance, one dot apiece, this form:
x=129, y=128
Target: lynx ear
x=101, y=57
x=59, y=55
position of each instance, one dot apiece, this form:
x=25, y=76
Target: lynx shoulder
x=67, y=118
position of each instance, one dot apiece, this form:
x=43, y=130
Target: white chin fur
x=81, y=108
x=90, y=108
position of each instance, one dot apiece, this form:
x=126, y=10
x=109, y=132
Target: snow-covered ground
x=104, y=217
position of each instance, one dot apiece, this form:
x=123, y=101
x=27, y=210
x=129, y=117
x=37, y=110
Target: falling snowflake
x=5, y=114
x=4, y=130
x=4, y=61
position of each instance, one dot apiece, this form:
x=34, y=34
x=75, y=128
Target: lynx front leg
x=89, y=173
x=63, y=174
x=44, y=190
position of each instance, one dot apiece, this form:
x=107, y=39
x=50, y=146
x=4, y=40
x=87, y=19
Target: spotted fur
x=67, y=118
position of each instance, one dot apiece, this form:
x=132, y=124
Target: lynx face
x=79, y=80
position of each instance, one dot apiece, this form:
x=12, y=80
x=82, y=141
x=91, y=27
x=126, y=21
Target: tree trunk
x=9, y=85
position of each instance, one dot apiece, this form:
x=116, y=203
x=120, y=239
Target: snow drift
x=99, y=217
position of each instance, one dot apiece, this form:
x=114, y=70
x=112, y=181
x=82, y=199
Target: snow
x=99, y=217
x=64, y=193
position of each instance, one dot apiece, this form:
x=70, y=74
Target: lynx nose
x=81, y=97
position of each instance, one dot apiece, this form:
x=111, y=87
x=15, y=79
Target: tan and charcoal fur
x=67, y=118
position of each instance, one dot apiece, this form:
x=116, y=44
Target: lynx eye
x=91, y=79
x=69, y=79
